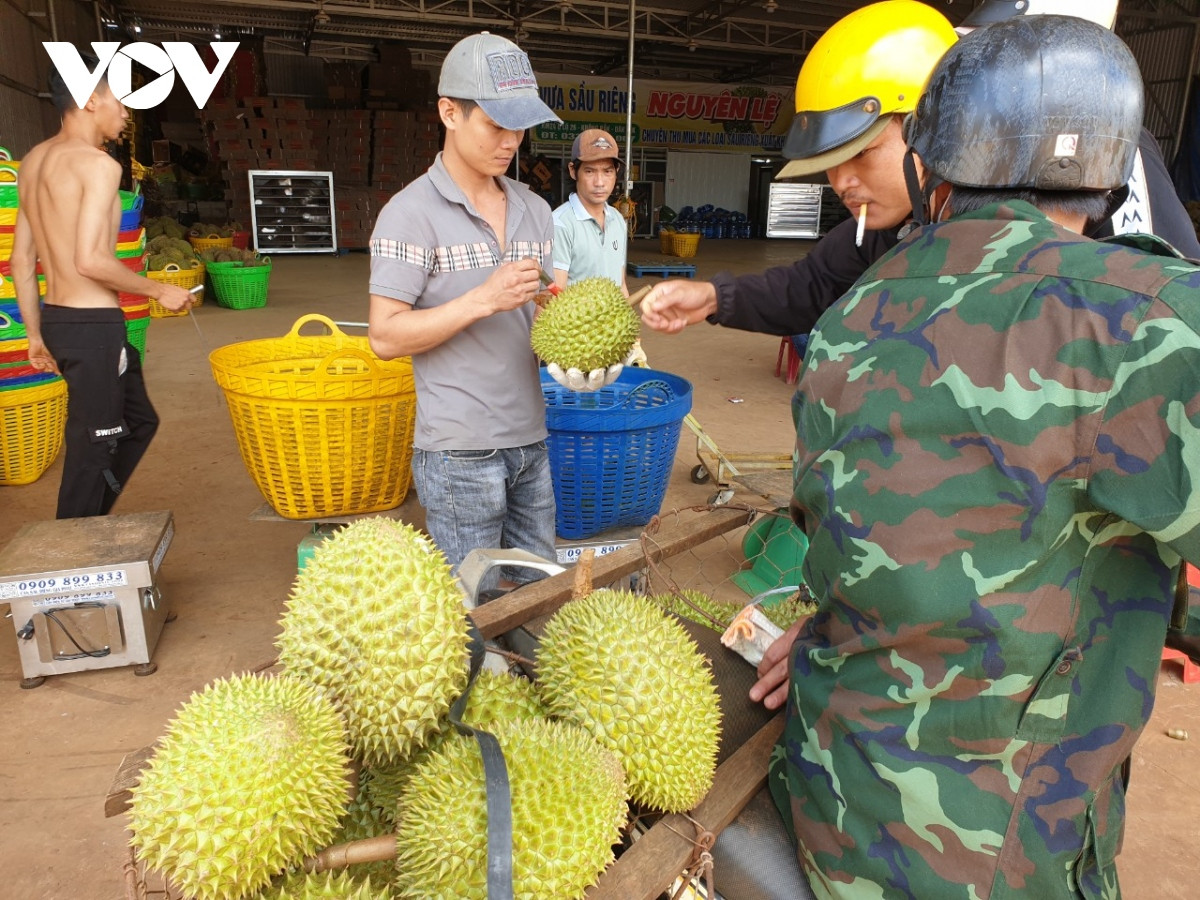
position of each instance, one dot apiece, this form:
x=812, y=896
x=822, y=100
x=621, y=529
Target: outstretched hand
x=674, y=304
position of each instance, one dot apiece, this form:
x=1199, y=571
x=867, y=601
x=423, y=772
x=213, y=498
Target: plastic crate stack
x=33, y=405
x=131, y=251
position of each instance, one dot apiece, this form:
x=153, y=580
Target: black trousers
x=110, y=420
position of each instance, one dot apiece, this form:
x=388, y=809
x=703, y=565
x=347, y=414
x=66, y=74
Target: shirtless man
x=68, y=216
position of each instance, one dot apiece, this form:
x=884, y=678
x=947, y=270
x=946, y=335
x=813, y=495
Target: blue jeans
x=487, y=499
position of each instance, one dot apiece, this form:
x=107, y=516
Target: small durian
x=698, y=607
x=590, y=325
x=376, y=618
x=250, y=778
x=631, y=676
x=364, y=819
x=568, y=808
x=495, y=700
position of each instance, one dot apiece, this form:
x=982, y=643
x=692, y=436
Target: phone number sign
x=57, y=584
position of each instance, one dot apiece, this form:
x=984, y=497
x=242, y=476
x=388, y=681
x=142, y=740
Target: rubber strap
x=495, y=774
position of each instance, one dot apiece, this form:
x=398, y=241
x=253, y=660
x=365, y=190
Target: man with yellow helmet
x=862, y=76
x=858, y=81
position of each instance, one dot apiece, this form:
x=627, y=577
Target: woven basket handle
x=172, y=267
x=6, y=321
x=7, y=169
x=315, y=317
x=646, y=386
x=348, y=353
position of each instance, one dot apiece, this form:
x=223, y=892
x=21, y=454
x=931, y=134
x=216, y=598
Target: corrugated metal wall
x=24, y=118
x=694, y=179
x=291, y=75
x=1164, y=51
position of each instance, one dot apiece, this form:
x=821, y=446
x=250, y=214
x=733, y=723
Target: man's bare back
x=65, y=185
x=68, y=217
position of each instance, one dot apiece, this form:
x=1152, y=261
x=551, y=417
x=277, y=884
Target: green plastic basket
x=237, y=286
x=8, y=184
x=135, y=333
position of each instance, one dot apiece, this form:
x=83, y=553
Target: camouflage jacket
x=997, y=436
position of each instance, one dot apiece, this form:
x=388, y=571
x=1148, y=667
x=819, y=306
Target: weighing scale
x=84, y=593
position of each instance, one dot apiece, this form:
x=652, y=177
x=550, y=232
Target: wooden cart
x=659, y=857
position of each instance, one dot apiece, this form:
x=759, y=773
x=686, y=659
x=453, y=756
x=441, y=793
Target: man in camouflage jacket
x=997, y=435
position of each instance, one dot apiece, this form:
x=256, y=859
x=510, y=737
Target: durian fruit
x=568, y=808
x=251, y=777
x=698, y=607
x=590, y=325
x=326, y=886
x=377, y=620
x=364, y=819
x=495, y=700
x=617, y=665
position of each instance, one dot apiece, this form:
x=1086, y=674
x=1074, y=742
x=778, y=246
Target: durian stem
x=583, y=575
x=376, y=849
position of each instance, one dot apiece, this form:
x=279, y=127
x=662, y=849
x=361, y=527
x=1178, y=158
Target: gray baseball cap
x=496, y=74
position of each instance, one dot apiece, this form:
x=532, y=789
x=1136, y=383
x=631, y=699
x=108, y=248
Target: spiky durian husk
x=617, y=665
x=698, y=607
x=495, y=700
x=377, y=619
x=326, y=886
x=364, y=819
x=590, y=325
x=250, y=777
x=568, y=808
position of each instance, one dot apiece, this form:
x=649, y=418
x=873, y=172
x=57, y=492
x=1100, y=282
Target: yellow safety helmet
x=867, y=66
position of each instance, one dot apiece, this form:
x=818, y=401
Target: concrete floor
x=227, y=574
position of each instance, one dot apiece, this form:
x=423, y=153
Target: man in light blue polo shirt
x=590, y=236
x=455, y=258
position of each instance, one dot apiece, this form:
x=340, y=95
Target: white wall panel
x=694, y=179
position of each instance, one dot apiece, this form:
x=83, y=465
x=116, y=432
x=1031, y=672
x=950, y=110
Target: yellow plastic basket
x=184, y=278
x=31, y=430
x=211, y=242
x=684, y=245
x=133, y=248
x=664, y=239
x=324, y=427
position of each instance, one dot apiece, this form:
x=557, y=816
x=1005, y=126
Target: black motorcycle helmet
x=1048, y=103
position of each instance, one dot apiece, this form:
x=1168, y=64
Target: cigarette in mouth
x=862, y=225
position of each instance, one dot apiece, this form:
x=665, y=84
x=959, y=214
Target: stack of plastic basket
x=239, y=286
x=324, y=426
x=33, y=404
x=131, y=251
x=611, y=450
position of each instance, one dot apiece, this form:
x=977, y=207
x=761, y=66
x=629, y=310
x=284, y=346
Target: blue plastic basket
x=611, y=450
x=132, y=218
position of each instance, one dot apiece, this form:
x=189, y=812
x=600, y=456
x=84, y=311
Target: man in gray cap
x=455, y=258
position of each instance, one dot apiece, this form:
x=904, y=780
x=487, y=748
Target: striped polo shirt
x=481, y=389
